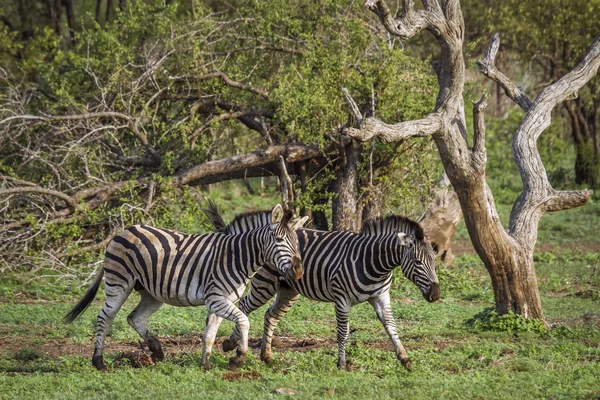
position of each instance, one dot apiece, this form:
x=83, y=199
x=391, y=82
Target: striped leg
x=342, y=313
x=225, y=308
x=115, y=297
x=382, y=307
x=138, y=319
x=212, y=326
x=263, y=288
x=286, y=297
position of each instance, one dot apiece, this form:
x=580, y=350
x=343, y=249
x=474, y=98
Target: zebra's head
x=418, y=263
x=414, y=253
x=281, y=247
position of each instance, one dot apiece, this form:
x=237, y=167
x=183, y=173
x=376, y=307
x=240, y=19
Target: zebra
x=166, y=266
x=346, y=269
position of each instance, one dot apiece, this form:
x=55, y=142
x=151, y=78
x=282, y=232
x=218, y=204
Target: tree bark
x=98, y=8
x=70, y=18
x=344, y=206
x=109, y=10
x=506, y=254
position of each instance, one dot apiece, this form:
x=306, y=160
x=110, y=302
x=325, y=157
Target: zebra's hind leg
x=342, y=314
x=115, y=297
x=138, y=319
x=263, y=288
x=286, y=297
x=212, y=326
x=382, y=307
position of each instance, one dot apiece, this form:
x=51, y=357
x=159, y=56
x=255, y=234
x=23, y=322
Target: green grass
x=459, y=350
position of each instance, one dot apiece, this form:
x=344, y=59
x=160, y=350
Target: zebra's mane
x=242, y=222
x=248, y=221
x=390, y=224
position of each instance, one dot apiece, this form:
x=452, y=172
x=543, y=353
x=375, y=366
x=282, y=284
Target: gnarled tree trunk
x=507, y=254
x=344, y=207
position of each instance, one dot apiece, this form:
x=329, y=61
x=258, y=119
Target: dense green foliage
x=159, y=90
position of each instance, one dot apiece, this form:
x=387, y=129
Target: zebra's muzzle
x=297, y=269
x=434, y=292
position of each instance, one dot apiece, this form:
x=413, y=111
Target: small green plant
x=489, y=320
x=28, y=354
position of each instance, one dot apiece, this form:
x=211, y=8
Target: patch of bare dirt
x=136, y=352
x=238, y=376
x=134, y=358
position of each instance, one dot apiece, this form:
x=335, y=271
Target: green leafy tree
x=109, y=129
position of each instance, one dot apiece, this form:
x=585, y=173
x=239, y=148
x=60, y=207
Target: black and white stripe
x=170, y=267
x=347, y=269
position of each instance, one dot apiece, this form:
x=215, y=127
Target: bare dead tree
x=506, y=253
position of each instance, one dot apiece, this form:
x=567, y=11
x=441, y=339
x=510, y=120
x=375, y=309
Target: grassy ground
x=459, y=349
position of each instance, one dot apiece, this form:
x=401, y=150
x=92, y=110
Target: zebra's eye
x=278, y=239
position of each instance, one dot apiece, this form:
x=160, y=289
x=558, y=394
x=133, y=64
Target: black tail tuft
x=214, y=216
x=86, y=300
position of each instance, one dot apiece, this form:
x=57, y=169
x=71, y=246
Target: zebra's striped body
x=189, y=270
x=345, y=268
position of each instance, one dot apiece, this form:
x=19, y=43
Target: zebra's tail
x=214, y=216
x=86, y=300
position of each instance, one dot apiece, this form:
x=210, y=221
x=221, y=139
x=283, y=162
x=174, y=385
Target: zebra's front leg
x=383, y=308
x=225, y=308
x=262, y=289
x=286, y=297
x=213, y=322
x=342, y=313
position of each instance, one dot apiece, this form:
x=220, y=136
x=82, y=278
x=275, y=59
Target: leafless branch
x=411, y=21
x=538, y=195
x=131, y=123
x=487, y=66
x=354, y=110
x=226, y=116
x=228, y=81
x=479, y=151
x=36, y=189
x=372, y=127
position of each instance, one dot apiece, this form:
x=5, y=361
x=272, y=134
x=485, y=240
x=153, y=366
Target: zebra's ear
x=297, y=223
x=277, y=214
x=406, y=239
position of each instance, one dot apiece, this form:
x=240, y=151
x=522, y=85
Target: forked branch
x=538, y=195
x=487, y=66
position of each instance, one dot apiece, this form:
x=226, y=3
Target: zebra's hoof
x=207, y=366
x=158, y=356
x=237, y=361
x=229, y=344
x=407, y=363
x=266, y=358
x=98, y=362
